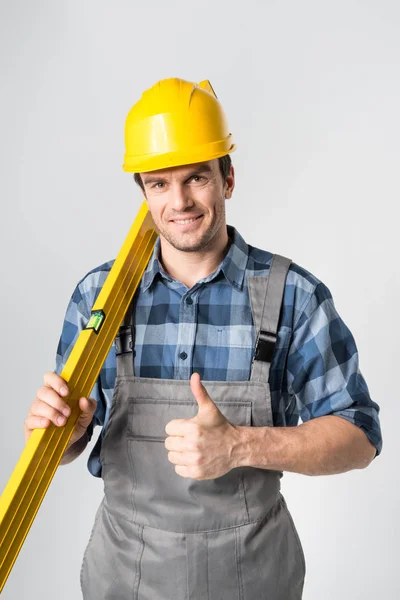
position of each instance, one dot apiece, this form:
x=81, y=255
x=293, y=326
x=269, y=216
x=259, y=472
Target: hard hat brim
x=154, y=162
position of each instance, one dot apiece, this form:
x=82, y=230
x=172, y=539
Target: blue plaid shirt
x=209, y=329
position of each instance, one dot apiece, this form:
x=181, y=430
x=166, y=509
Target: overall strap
x=124, y=343
x=266, y=297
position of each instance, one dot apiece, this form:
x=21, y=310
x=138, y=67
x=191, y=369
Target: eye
x=158, y=184
x=197, y=178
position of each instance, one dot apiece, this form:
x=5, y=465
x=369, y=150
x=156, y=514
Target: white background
x=312, y=94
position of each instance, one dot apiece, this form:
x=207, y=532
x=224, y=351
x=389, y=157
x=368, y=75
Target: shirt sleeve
x=323, y=368
x=76, y=318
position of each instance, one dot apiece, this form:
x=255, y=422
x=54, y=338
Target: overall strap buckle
x=265, y=346
x=123, y=340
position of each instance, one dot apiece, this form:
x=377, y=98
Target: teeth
x=186, y=221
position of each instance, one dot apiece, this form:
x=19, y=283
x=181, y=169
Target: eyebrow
x=160, y=179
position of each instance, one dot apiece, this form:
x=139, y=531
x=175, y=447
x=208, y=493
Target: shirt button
x=183, y=355
x=189, y=301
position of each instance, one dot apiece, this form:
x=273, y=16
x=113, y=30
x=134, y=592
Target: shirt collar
x=235, y=262
x=153, y=267
x=233, y=266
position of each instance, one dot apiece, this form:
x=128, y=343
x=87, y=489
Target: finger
x=196, y=385
x=182, y=471
x=187, y=459
x=179, y=458
x=32, y=422
x=178, y=427
x=200, y=393
x=87, y=406
x=175, y=443
x=49, y=396
x=56, y=382
x=42, y=409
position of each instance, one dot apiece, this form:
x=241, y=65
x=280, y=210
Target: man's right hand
x=49, y=406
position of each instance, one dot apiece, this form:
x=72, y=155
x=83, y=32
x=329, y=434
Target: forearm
x=75, y=450
x=323, y=446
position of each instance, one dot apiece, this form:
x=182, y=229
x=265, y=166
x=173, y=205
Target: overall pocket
x=162, y=498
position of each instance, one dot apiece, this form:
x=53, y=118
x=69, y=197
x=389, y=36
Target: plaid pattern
x=209, y=329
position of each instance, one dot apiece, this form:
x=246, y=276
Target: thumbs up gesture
x=205, y=446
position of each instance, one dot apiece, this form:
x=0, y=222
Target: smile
x=186, y=221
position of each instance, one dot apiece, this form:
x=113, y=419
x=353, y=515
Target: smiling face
x=187, y=204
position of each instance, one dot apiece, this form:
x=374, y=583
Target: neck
x=190, y=267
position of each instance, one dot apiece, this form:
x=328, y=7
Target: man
x=192, y=505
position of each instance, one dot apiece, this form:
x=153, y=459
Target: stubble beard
x=194, y=245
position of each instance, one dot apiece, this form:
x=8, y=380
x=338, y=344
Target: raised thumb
x=205, y=403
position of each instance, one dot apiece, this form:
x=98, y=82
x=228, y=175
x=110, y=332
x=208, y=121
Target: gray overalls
x=159, y=536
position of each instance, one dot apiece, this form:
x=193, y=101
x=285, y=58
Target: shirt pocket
x=236, y=337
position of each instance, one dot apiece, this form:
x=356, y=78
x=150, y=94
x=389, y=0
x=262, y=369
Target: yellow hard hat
x=176, y=122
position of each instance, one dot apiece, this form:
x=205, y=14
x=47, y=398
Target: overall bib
x=159, y=536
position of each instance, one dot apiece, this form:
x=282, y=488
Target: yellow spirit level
x=41, y=456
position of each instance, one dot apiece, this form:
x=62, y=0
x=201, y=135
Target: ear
x=230, y=183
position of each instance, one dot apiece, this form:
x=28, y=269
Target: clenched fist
x=49, y=406
x=204, y=447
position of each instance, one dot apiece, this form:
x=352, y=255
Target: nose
x=181, y=198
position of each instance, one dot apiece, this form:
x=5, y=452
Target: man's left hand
x=202, y=447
